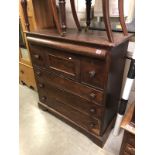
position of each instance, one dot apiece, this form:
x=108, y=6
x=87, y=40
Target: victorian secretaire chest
x=78, y=76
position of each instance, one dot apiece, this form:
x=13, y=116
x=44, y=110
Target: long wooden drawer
x=86, y=92
x=56, y=61
x=93, y=72
x=51, y=92
x=85, y=121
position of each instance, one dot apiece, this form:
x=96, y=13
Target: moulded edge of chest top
x=100, y=53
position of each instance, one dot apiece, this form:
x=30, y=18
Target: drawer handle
x=92, y=125
x=93, y=110
x=92, y=95
x=43, y=98
x=37, y=56
x=131, y=149
x=22, y=72
x=38, y=73
x=41, y=85
x=92, y=74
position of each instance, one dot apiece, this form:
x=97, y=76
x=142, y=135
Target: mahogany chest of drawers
x=79, y=78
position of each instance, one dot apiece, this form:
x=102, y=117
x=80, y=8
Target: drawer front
x=37, y=55
x=65, y=97
x=74, y=115
x=128, y=144
x=130, y=139
x=93, y=72
x=63, y=63
x=125, y=153
x=130, y=149
x=78, y=89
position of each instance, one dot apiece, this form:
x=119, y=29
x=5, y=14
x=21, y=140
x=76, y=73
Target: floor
x=43, y=134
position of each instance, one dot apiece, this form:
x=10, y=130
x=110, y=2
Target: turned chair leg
x=63, y=15
x=88, y=9
x=72, y=2
x=24, y=8
x=107, y=20
x=121, y=16
x=55, y=16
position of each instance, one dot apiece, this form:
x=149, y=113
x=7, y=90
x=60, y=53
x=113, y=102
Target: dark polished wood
x=24, y=7
x=105, y=7
x=75, y=15
x=121, y=16
x=88, y=9
x=79, y=78
x=62, y=8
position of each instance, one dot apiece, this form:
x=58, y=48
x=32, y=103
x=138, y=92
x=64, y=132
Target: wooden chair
x=61, y=26
x=107, y=18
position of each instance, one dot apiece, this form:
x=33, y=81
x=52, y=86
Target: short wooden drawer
x=37, y=55
x=86, y=92
x=85, y=121
x=78, y=103
x=93, y=72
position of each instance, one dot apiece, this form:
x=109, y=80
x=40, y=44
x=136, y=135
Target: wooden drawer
x=72, y=114
x=76, y=88
x=65, y=97
x=129, y=149
x=125, y=153
x=63, y=63
x=93, y=72
x=37, y=55
x=128, y=144
x=130, y=138
x=26, y=75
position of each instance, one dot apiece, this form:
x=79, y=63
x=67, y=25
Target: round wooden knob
x=36, y=56
x=43, y=98
x=92, y=95
x=41, y=85
x=92, y=74
x=38, y=73
x=92, y=125
x=93, y=110
x=22, y=71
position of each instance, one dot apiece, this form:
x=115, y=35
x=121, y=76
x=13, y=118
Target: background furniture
x=128, y=124
x=26, y=73
x=78, y=75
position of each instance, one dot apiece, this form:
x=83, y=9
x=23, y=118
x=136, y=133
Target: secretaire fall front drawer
x=63, y=63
